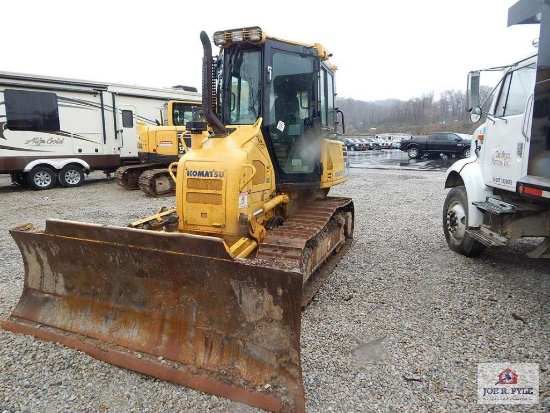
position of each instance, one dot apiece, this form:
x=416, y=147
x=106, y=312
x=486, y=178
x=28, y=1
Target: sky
x=400, y=49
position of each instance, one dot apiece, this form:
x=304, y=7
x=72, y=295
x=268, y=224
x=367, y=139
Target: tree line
x=417, y=116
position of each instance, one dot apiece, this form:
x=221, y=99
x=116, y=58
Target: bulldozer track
x=128, y=176
x=157, y=183
x=290, y=245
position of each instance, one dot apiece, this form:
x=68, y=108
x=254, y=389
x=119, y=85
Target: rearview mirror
x=475, y=114
x=473, y=99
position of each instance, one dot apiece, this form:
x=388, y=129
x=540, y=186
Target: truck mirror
x=475, y=114
x=473, y=90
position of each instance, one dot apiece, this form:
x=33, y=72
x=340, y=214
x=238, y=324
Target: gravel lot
x=427, y=315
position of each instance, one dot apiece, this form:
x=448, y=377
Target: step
x=496, y=207
x=487, y=238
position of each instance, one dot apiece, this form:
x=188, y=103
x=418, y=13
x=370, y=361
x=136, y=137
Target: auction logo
x=516, y=383
x=508, y=376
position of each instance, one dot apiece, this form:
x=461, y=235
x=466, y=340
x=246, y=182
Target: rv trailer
x=55, y=130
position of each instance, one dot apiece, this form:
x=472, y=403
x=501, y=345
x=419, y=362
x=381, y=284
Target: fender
x=57, y=164
x=468, y=172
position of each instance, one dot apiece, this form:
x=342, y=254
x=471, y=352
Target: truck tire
x=413, y=152
x=71, y=176
x=41, y=177
x=455, y=223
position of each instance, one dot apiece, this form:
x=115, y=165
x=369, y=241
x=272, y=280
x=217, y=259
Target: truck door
x=444, y=142
x=504, y=149
x=126, y=130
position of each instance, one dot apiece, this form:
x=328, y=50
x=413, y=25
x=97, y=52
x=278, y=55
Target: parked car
x=369, y=143
x=354, y=144
x=374, y=144
x=439, y=143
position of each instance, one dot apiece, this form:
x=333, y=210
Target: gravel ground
x=424, y=316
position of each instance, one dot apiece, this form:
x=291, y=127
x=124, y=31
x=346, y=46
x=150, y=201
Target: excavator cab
x=178, y=113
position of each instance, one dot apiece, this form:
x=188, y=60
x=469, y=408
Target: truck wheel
x=413, y=152
x=71, y=176
x=41, y=177
x=466, y=153
x=455, y=223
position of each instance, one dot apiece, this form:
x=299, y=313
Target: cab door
x=503, y=151
x=296, y=96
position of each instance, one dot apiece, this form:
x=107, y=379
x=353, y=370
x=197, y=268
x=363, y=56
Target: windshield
x=517, y=86
x=184, y=112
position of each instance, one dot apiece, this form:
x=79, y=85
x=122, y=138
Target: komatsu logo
x=205, y=174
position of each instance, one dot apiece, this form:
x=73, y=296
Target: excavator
x=209, y=293
x=158, y=146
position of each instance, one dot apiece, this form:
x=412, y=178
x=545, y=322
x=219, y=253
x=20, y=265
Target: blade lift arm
x=245, y=246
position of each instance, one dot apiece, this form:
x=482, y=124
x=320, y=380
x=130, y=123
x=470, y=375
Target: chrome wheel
x=413, y=152
x=71, y=176
x=41, y=177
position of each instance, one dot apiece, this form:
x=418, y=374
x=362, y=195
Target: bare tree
x=418, y=115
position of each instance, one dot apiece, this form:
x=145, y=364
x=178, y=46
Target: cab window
x=516, y=87
x=291, y=102
x=244, y=88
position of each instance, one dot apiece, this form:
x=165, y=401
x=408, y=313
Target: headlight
x=225, y=38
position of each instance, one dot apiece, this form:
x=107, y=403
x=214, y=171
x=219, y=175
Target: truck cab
x=502, y=192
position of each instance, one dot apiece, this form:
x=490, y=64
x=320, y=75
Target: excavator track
x=311, y=242
x=157, y=183
x=128, y=176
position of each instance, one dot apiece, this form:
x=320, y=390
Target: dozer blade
x=170, y=305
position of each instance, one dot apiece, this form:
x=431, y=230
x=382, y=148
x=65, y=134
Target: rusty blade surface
x=129, y=296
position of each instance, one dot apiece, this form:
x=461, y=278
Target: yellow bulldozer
x=158, y=147
x=209, y=293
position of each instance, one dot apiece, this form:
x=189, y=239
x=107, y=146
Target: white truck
x=392, y=140
x=57, y=130
x=502, y=191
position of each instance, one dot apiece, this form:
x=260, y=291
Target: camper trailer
x=56, y=130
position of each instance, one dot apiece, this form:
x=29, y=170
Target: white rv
x=56, y=130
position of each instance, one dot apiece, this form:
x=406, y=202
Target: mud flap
x=170, y=305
